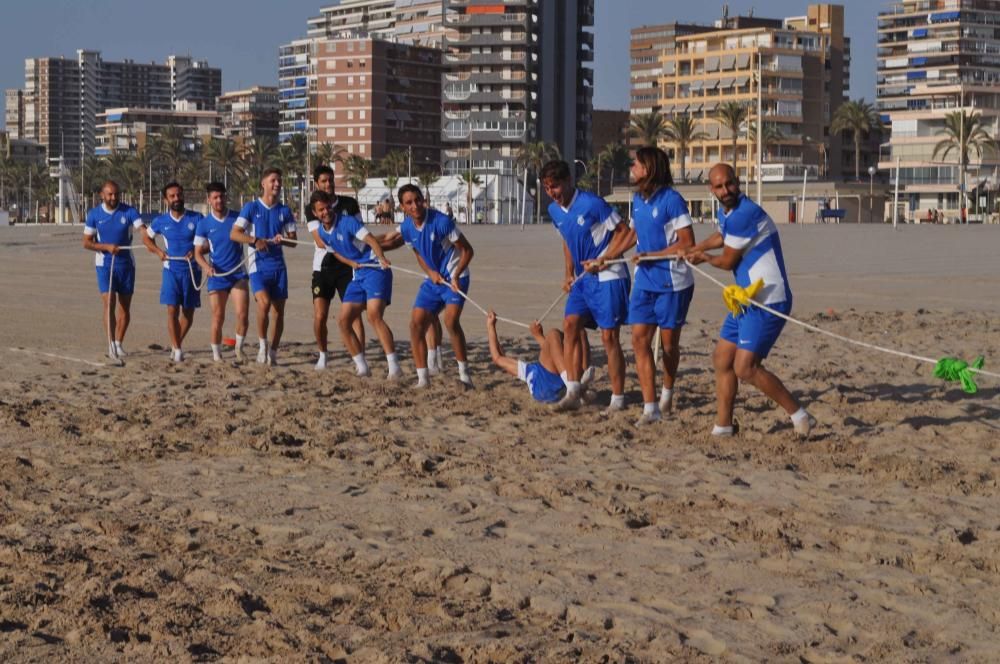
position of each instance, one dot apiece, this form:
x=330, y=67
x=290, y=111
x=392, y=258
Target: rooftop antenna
x=725, y=15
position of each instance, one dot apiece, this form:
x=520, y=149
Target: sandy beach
x=203, y=512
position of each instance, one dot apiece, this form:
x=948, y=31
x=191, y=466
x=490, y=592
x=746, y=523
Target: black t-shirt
x=344, y=204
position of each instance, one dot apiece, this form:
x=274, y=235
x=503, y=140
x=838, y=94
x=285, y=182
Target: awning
x=696, y=85
x=728, y=61
x=726, y=83
x=669, y=67
x=741, y=81
x=742, y=60
x=711, y=85
x=712, y=63
x=710, y=106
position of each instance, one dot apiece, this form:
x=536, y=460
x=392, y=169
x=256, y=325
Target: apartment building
x=374, y=96
x=646, y=45
x=250, y=113
x=804, y=65
x=128, y=130
x=937, y=57
x=62, y=97
x=516, y=72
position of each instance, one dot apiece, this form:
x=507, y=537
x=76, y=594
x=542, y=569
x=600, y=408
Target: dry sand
x=203, y=512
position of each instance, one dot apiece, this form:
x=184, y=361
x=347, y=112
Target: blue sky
x=243, y=38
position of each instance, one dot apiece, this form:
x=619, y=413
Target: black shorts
x=334, y=278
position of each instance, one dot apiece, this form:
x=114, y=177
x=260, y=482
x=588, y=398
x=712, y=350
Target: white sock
x=321, y=362
x=722, y=431
x=440, y=358
x=650, y=408
x=463, y=372
x=177, y=355
x=393, y=361
x=617, y=401
x=666, y=399
x=216, y=352
x=422, y=379
x=239, y=342
x=360, y=364
x=565, y=377
x=800, y=416
x=573, y=387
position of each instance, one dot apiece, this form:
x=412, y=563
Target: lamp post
x=871, y=193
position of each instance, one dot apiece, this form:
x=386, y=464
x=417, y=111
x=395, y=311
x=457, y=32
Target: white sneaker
x=177, y=356
x=120, y=350
x=466, y=382
x=112, y=352
x=570, y=401
x=667, y=405
x=423, y=383
x=803, y=428
x=647, y=419
x=320, y=364
x=613, y=408
x=432, y=370
x=262, y=355
x=240, y=357
x=588, y=376
x=395, y=375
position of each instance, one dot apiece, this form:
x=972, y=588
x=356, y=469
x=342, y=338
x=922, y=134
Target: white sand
x=199, y=511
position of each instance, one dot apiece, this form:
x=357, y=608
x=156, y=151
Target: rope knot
x=737, y=298
x=954, y=370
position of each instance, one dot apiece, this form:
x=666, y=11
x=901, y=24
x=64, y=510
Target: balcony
x=459, y=91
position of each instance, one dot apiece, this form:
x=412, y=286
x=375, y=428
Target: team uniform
x=330, y=276
x=435, y=242
x=267, y=268
x=176, y=288
x=587, y=226
x=544, y=385
x=225, y=254
x=347, y=237
x=662, y=291
x=749, y=229
x=114, y=227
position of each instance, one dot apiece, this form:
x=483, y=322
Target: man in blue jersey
x=108, y=231
x=546, y=378
x=227, y=278
x=750, y=247
x=370, y=288
x=178, y=289
x=265, y=224
x=592, y=233
x=444, y=255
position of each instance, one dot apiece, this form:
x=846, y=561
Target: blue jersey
x=261, y=221
x=749, y=229
x=587, y=226
x=434, y=241
x=347, y=237
x=112, y=227
x=225, y=253
x=656, y=222
x=178, y=236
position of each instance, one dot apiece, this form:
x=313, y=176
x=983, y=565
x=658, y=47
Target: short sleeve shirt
x=435, y=242
x=112, y=227
x=587, y=226
x=749, y=229
x=347, y=237
x=656, y=222
x=261, y=221
x=178, y=236
x=225, y=253
x=340, y=203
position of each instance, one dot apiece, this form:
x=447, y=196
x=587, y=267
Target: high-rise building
x=354, y=18
x=935, y=59
x=14, y=112
x=516, y=72
x=375, y=96
x=247, y=114
x=62, y=97
x=647, y=44
x=805, y=66
x=129, y=129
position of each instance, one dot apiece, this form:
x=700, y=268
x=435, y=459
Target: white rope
x=834, y=335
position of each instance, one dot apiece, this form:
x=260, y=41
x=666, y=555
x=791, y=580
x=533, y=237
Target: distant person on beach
x=546, y=378
x=212, y=241
x=663, y=289
x=444, y=254
x=329, y=277
x=108, y=231
x=750, y=247
x=179, y=287
x=370, y=288
x=265, y=224
x=592, y=232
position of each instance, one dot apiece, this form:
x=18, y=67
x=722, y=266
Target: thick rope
x=848, y=340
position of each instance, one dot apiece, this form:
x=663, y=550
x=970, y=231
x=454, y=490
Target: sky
x=242, y=38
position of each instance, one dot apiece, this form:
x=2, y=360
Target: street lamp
x=582, y=163
x=871, y=193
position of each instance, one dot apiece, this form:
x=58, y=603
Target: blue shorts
x=176, y=289
x=755, y=330
x=544, y=385
x=435, y=297
x=225, y=283
x=667, y=310
x=369, y=284
x=124, y=278
x=275, y=282
x=604, y=302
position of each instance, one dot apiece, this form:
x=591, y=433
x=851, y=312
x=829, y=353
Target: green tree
x=393, y=163
x=682, y=131
x=732, y=115
x=964, y=133
x=649, y=128
x=257, y=154
x=533, y=156
x=224, y=156
x=425, y=179
x=330, y=154
x=615, y=158
x=860, y=119
x=358, y=170
x=771, y=136
x=169, y=150
x=470, y=180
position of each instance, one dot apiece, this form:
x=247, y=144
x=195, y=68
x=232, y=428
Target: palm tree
x=649, y=128
x=533, y=156
x=769, y=137
x=223, y=155
x=330, y=154
x=257, y=154
x=616, y=157
x=425, y=179
x=393, y=163
x=732, y=115
x=859, y=118
x=169, y=149
x=965, y=133
x=470, y=180
x=121, y=169
x=682, y=131
x=358, y=170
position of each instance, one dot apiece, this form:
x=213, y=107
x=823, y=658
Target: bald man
x=750, y=247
